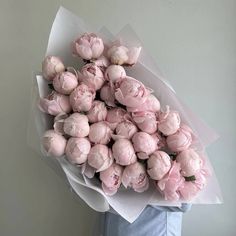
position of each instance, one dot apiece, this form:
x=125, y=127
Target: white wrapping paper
x=127, y=203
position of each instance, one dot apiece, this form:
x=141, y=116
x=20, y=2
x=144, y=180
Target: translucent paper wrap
x=129, y=204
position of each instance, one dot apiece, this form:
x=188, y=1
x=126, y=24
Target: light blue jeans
x=153, y=221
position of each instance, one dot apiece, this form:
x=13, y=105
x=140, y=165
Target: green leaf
x=190, y=178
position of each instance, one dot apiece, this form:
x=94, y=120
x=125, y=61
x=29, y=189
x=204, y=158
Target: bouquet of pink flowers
x=115, y=126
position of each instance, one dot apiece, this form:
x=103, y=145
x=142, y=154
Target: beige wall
x=193, y=42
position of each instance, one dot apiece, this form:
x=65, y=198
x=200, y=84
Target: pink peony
x=107, y=95
x=100, y=157
x=151, y=104
x=188, y=190
x=53, y=143
x=123, y=152
x=144, y=144
x=102, y=61
x=116, y=115
x=65, y=82
x=92, y=76
x=76, y=125
x=130, y=92
x=100, y=133
x=111, y=179
x=181, y=140
x=171, y=183
x=115, y=72
x=51, y=66
x=168, y=122
x=77, y=150
x=54, y=104
x=125, y=129
x=118, y=54
x=98, y=112
x=133, y=55
x=88, y=46
x=160, y=140
x=159, y=164
x=82, y=97
x=190, y=162
x=146, y=121
x=59, y=123
x=135, y=176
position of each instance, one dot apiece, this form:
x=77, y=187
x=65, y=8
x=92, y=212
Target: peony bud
x=76, y=125
x=77, y=150
x=88, y=46
x=92, y=76
x=54, y=104
x=98, y=112
x=51, y=66
x=81, y=98
x=54, y=144
x=144, y=144
x=100, y=133
x=181, y=140
x=135, y=176
x=111, y=179
x=146, y=121
x=159, y=164
x=190, y=162
x=123, y=152
x=100, y=157
x=169, y=122
x=65, y=82
x=115, y=72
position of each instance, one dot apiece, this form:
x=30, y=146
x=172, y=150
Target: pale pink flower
x=151, y=104
x=118, y=54
x=77, y=150
x=115, y=116
x=111, y=179
x=100, y=133
x=133, y=55
x=159, y=163
x=59, y=123
x=98, y=112
x=54, y=104
x=51, y=66
x=88, y=46
x=65, y=82
x=114, y=72
x=92, y=76
x=144, y=144
x=102, y=61
x=107, y=94
x=125, y=129
x=146, y=121
x=135, y=176
x=100, y=157
x=123, y=152
x=130, y=92
x=168, y=122
x=190, y=162
x=181, y=140
x=170, y=184
x=76, y=125
x=53, y=143
x=82, y=97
